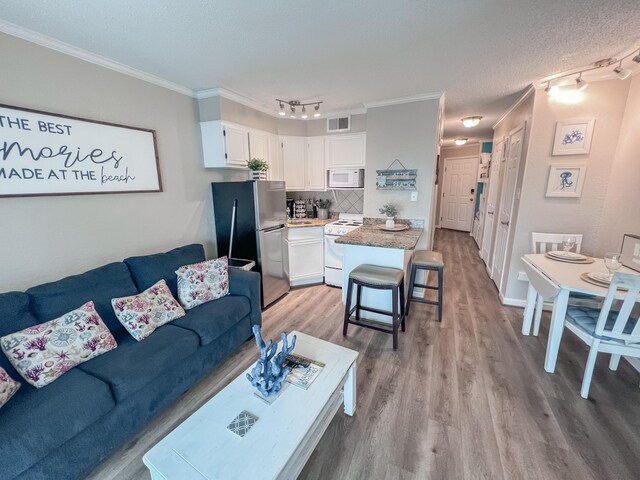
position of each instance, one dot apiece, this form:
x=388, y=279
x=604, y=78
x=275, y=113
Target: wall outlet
x=414, y=196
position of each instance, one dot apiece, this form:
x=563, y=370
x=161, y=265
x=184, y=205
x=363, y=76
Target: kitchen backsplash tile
x=344, y=201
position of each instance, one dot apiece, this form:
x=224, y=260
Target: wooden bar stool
x=379, y=278
x=426, y=260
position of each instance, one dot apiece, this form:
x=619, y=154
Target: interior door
x=493, y=188
x=507, y=199
x=458, y=193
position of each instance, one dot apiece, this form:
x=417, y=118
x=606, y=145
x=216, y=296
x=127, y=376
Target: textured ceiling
x=347, y=53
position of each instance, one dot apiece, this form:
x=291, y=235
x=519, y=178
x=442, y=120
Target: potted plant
x=257, y=169
x=390, y=211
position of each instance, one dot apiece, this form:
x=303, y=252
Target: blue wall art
x=566, y=180
x=573, y=137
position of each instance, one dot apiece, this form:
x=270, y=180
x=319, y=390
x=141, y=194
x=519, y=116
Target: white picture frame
x=566, y=180
x=573, y=137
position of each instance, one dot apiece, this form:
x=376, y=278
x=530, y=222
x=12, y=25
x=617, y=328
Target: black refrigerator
x=261, y=220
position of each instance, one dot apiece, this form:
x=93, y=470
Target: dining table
x=556, y=280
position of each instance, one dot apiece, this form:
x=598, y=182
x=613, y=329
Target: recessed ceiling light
x=471, y=121
x=461, y=141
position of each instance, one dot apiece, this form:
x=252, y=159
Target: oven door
x=332, y=252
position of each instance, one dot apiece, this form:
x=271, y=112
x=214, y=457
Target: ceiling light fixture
x=461, y=141
x=296, y=103
x=470, y=122
x=622, y=73
x=580, y=84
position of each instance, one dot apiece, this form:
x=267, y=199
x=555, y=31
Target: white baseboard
x=512, y=302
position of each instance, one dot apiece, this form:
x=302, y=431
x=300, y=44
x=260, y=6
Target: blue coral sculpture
x=268, y=374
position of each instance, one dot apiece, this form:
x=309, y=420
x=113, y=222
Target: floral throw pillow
x=8, y=387
x=141, y=314
x=202, y=282
x=42, y=353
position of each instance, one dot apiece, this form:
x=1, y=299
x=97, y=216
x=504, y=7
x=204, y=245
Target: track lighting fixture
x=296, y=103
x=470, y=122
x=636, y=58
x=621, y=72
x=461, y=141
x=577, y=86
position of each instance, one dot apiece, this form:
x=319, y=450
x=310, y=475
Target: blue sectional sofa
x=64, y=429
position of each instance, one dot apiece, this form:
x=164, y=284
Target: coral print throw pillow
x=202, y=282
x=141, y=314
x=8, y=387
x=42, y=353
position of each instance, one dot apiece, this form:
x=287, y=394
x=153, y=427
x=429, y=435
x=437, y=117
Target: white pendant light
x=461, y=141
x=470, y=122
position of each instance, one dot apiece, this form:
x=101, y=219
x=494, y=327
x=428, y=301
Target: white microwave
x=345, y=178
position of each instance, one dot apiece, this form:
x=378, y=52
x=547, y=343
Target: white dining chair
x=604, y=330
x=543, y=243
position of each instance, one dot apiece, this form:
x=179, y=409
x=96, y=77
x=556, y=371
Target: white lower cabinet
x=304, y=250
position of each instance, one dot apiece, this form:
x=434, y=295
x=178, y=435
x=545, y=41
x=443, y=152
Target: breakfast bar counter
x=369, y=244
x=373, y=236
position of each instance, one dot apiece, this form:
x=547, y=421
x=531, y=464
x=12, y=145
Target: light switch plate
x=414, y=196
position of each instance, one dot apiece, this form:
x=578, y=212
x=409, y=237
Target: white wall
x=620, y=214
x=605, y=101
x=46, y=238
x=406, y=132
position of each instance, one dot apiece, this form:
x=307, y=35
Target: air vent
x=339, y=124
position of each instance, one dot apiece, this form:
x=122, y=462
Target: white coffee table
x=283, y=438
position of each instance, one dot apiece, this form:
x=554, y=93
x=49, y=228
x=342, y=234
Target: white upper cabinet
x=346, y=150
x=316, y=174
x=294, y=150
x=276, y=167
x=224, y=145
x=258, y=147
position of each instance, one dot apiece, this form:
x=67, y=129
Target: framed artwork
x=631, y=251
x=573, y=137
x=46, y=153
x=566, y=180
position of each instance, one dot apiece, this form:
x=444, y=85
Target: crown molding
x=87, y=56
x=530, y=89
x=409, y=99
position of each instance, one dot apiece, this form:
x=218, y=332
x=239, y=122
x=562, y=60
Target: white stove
x=345, y=223
x=333, y=251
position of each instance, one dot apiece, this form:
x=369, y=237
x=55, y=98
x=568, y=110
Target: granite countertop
x=369, y=235
x=309, y=222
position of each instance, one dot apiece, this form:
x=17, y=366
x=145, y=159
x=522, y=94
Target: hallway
x=465, y=399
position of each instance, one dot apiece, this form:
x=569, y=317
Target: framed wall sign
x=44, y=153
x=631, y=251
x=566, y=180
x=573, y=137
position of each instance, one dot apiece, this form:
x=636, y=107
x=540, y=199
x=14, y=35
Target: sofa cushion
x=8, y=387
x=14, y=315
x=132, y=365
x=141, y=314
x=100, y=285
x=202, y=282
x=38, y=420
x=43, y=353
x=212, y=319
x=147, y=270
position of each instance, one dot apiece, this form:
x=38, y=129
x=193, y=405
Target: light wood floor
x=464, y=399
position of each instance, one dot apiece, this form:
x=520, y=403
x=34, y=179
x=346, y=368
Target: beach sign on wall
x=49, y=154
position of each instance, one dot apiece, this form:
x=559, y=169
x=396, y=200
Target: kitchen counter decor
x=390, y=211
